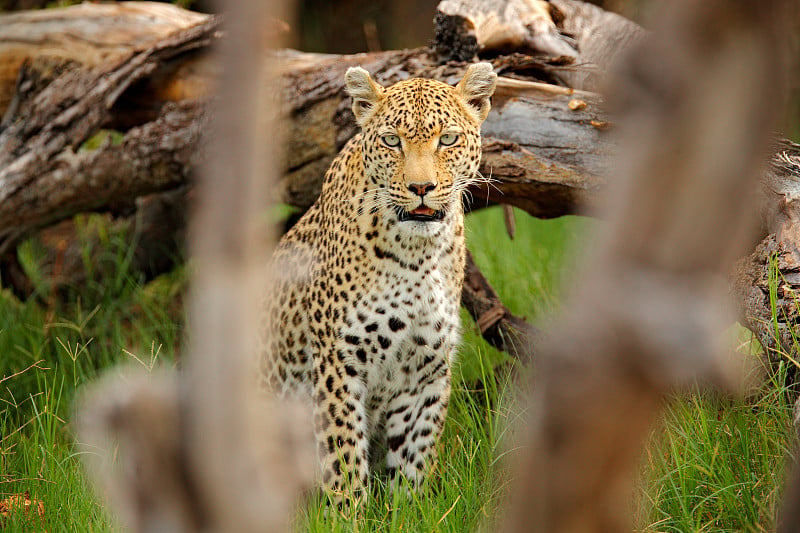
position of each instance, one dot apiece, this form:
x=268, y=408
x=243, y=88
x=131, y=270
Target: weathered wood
x=541, y=161
x=89, y=34
x=42, y=178
x=464, y=28
x=154, y=157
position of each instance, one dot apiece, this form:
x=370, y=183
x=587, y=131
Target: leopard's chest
x=405, y=323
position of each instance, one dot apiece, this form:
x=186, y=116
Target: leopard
x=364, y=317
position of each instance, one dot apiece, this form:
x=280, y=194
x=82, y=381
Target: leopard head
x=420, y=141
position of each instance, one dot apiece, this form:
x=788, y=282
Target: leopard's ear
x=476, y=88
x=365, y=92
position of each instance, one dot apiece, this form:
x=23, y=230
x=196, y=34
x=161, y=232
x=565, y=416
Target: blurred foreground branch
x=698, y=102
x=201, y=451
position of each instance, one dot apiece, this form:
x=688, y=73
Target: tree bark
x=462, y=28
x=89, y=34
x=43, y=179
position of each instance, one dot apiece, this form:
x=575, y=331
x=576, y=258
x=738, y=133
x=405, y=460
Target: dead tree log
x=462, y=28
x=543, y=173
x=44, y=178
x=566, y=160
x=93, y=35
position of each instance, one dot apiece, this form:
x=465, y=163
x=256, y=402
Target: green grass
x=464, y=492
x=527, y=272
x=711, y=464
x=717, y=465
x=47, y=353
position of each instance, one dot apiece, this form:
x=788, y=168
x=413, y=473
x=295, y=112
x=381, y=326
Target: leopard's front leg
x=415, y=420
x=340, y=427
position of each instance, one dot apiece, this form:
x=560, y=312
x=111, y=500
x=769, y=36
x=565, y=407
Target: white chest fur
x=407, y=320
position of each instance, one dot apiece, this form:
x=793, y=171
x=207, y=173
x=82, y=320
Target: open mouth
x=422, y=213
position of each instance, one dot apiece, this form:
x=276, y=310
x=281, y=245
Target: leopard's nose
x=421, y=189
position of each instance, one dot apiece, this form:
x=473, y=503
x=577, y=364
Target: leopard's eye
x=391, y=140
x=448, y=139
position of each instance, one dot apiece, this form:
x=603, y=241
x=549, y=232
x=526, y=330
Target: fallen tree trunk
x=44, y=178
x=91, y=35
x=545, y=172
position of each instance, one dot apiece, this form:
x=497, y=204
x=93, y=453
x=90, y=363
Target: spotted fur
x=365, y=316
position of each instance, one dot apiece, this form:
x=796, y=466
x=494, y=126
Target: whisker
x=493, y=185
x=468, y=195
x=379, y=202
x=490, y=183
x=358, y=196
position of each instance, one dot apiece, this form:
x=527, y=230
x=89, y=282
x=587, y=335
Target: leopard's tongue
x=423, y=210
